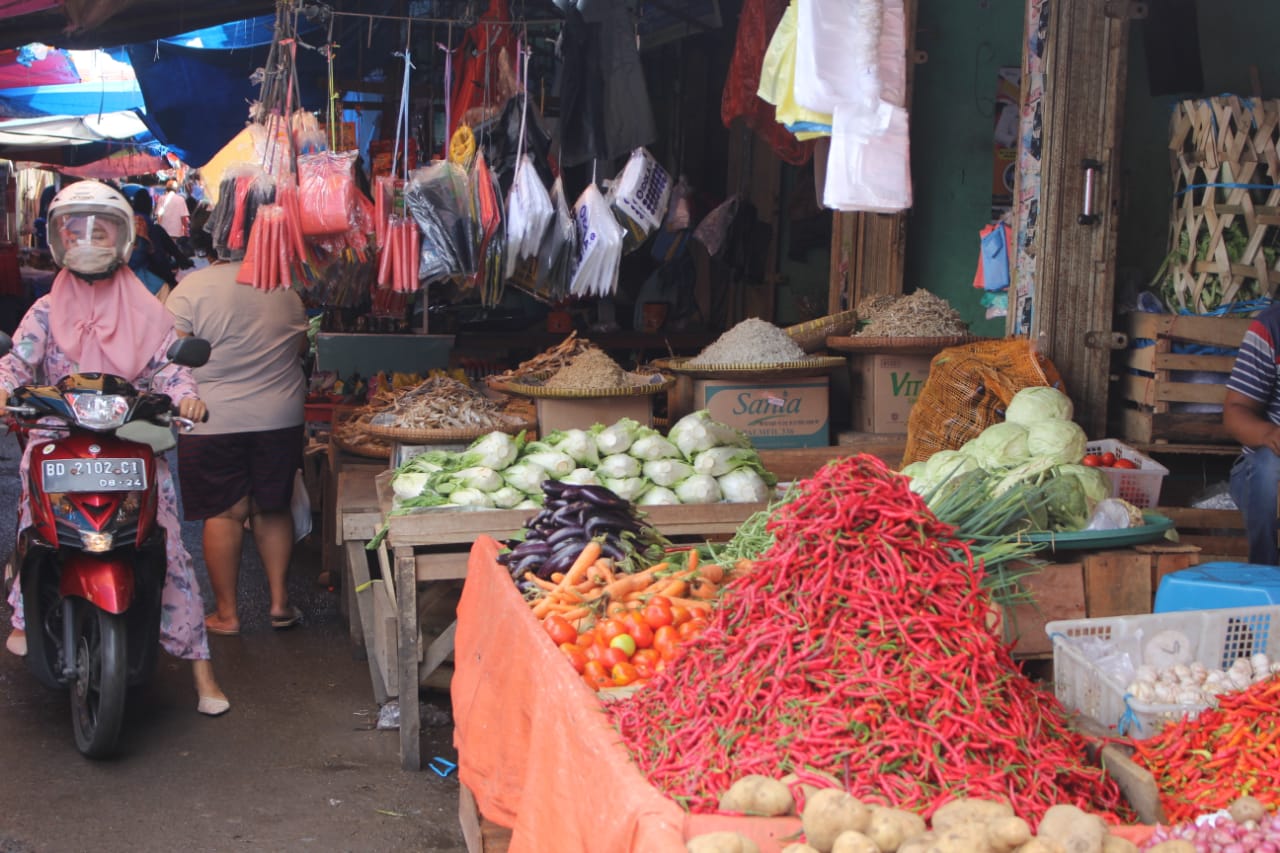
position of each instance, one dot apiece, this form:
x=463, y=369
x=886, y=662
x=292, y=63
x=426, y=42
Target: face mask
x=89, y=260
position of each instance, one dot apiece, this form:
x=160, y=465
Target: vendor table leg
x=357, y=580
x=407, y=665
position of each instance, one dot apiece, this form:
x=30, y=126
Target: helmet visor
x=88, y=229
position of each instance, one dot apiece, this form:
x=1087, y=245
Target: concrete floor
x=297, y=764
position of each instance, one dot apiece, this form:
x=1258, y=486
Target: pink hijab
x=112, y=326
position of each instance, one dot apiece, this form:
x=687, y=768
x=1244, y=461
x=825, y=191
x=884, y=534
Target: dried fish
x=919, y=314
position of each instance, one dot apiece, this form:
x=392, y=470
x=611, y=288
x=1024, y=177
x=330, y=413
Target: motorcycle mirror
x=189, y=352
x=6, y=344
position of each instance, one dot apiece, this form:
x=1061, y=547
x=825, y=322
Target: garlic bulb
x=1146, y=672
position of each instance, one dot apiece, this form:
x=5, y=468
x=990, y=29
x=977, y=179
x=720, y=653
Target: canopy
x=69, y=130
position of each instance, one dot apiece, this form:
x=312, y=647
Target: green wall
x=1234, y=34
x=952, y=117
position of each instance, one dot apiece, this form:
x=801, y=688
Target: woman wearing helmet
x=99, y=317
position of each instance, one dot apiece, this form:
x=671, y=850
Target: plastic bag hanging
x=438, y=200
x=529, y=211
x=557, y=254
x=326, y=192
x=639, y=198
x=599, y=246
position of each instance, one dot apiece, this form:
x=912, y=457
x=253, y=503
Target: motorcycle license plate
x=93, y=475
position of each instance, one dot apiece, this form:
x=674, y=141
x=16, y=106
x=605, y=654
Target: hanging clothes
x=605, y=111
x=759, y=20
x=485, y=58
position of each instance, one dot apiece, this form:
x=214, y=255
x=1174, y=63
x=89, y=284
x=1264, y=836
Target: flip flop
x=220, y=632
x=288, y=620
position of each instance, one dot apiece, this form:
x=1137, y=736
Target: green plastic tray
x=1086, y=540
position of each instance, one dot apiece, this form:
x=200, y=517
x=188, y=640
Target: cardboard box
x=885, y=387
x=556, y=413
x=792, y=413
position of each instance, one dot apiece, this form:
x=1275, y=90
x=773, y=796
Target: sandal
x=287, y=620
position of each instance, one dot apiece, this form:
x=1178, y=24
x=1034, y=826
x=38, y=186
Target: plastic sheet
x=639, y=198
x=529, y=211
x=599, y=246
x=556, y=255
x=326, y=192
x=438, y=198
x=837, y=55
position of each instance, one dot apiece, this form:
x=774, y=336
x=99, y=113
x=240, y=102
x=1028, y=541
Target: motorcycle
x=91, y=564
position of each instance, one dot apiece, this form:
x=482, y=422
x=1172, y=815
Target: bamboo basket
x=812, y=335
x=1224, y=245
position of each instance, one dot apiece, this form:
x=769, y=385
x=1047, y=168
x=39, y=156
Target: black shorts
x=216, y=471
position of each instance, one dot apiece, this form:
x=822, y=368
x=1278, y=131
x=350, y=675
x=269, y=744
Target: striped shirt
x=1256, y=374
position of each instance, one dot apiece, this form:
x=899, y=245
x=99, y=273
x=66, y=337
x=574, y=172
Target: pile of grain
x=589, y=370
x=918, y=315
x=753, y=341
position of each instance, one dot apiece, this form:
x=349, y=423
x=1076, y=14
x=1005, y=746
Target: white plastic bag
x=529, y=211
x=639, y=198
x=838, y=54
x=869, y=166
x=599, y=246
x=300, y=506
x=556, y=254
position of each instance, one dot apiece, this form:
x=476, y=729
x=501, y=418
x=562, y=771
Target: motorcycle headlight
x=99, y=411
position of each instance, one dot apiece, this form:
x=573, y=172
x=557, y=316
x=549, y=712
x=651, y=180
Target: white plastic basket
x=1094, y=659
x=1139, y=486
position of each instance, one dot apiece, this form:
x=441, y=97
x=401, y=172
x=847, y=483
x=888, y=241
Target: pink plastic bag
x=326, y=192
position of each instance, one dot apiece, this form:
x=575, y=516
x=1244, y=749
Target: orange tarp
x=534, y=748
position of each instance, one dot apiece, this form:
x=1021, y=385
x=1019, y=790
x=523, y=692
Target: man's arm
x=1245, y=420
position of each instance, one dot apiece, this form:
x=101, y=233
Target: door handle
x=1091, y=169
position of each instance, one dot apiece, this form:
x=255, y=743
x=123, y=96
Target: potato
x=721, y=842
x=919, y=844
x=1006, y=833
x=830, y=812
x=758, y=795
x=1247, y=808
x=807, y=789
x=1074, y=829
x=1116, y=844
x=966, y=810
x=854, y=842
x=889, y=828
x=1040, y=845
x=798, y=848
x=961, y=838
x=1176, y=846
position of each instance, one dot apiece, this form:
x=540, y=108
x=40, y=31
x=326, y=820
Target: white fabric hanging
x=838, y=54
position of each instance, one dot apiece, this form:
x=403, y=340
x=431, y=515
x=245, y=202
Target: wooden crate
x=1226, y=203
x=1156, y=383
x=1117, y=583
x=1218, y=533
x=1057, y=592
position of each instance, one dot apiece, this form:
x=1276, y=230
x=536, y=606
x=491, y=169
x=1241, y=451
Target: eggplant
x=570, y=514
x=561, y=559
x=598, y=495
x=527, y=563
x=528, y=547
x=554, y=488
x=565, y=534
x=611, y=548
x=608, y=524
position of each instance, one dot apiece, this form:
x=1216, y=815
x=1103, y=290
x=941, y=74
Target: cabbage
x=653, y=446
x=698, y=489
x=1038, y=403
x=507, y=497
x=527, y=504
x=1000, y=445
x=496, y=450
x=744, y=485
x=478, y=477
x=409, y=484
x=470, y=497
x=578, y=443
x=617, y=438
x=430, y=462
x=555, y=463
x=658, y=496
x=619, y=465
x=526, y=476
x=719, y=461
x=1062, y=441
x=667, y=472
x=1096, y=484
x=699, y=431
x=628, y=488
x=939, y=468
x=582, y=477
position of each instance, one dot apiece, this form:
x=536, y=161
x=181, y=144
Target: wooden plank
x=441, y=566
x=1211, y=331
x=440, y=650
x=1166, y=559
x=1191, y=392
x=1117, y=583
x=1204, y=519
x=1194, y=361
x=1184, y=448
x=480, y=834
x=1057, y=592
x=407, y=660
x=1135, y=782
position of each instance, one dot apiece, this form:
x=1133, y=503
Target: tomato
x=661, y=600
x=1108, y=459
x=1093, y=460
x=624, y=642
x=679, y=614
x=623, y=674
x=1125, y=463
x=587, y=640
x=666, y=641
x=608, y=629
x=576, y=655
x=615, y=608
x=612, y=655
x=644, y=669
x=649, y=657
x=691, y=629
x=656, y=615
x=642, y=634
x=592, y=651
x=596, y=675
x=559, y=629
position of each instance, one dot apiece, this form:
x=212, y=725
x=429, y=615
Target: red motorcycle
x=92, y=562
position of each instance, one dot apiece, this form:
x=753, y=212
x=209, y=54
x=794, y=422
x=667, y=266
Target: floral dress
x=37, y=358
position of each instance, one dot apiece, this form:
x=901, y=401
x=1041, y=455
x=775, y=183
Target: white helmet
x=90, y=229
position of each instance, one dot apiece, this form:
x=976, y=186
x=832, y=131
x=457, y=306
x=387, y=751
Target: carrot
x=539, y=582
x=632, y=582
x=671, y=587
x=557, y=577
x=576, y=572
x=744, y=565
x=693, y=560
x=704, y=589
x=602, y=570
x=692, y=603
x=712, y=572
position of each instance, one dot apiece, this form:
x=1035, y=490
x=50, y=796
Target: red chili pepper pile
x=1204, y=764
x=859, y=647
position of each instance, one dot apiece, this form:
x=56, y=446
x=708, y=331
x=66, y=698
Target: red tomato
x=1093, y=460
x=587, y=640
x=593, y=651
x=1125, y=463
x=661, y=600
x=642, y=634
x=596, y=675
x=691, y=629
x=615, y=608
x=626, y=643
x=1108, y=459
x=649, y=657
x=559, y=629
x=656, y=615
x=623, y=674
x=644, y=668
x=576, y=655
x=608, y=629
x=679, y=614
x=666, y=641
x=611, y=656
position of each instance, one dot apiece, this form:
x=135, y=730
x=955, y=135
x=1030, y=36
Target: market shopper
x=99, y=317
x=1251, y=415
x=155, y=259
x=171, y=214
x=242, y=465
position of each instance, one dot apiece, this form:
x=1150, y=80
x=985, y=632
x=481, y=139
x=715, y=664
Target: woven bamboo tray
x=406, y=435
x=638, y=389
x=844, y=343
x=817, y=365
x=812, y=336
x=368, y=450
